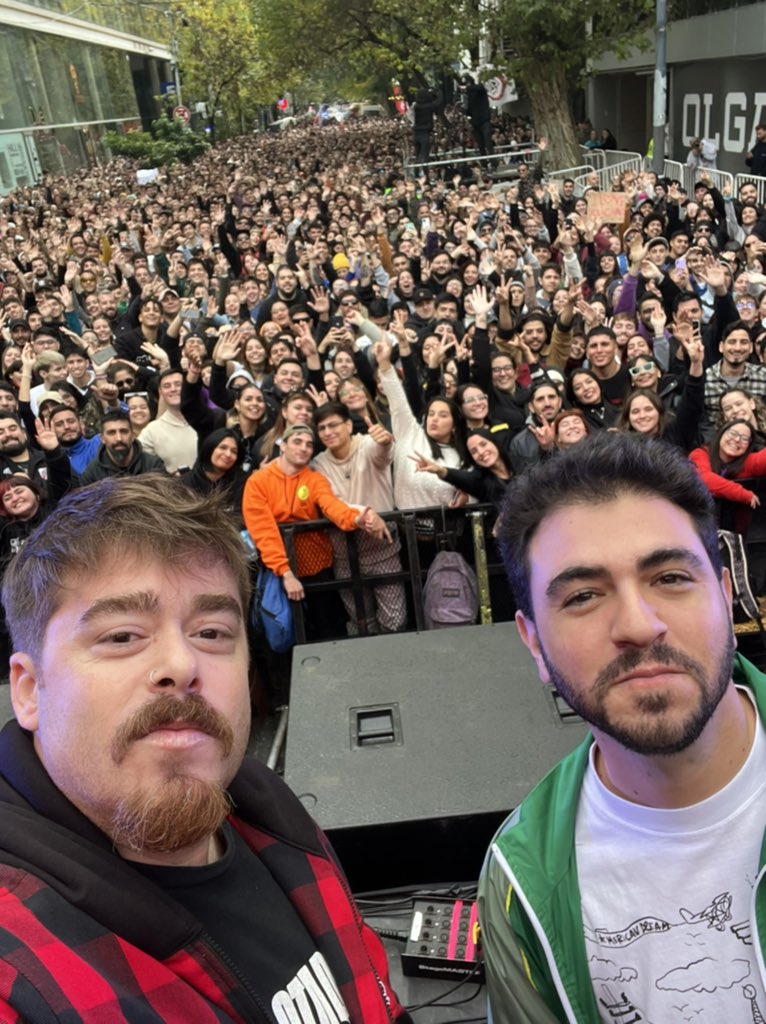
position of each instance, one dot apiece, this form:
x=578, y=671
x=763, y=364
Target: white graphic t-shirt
x=666, y=901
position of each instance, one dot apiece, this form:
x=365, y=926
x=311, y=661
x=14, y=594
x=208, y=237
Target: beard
x=13, y=448
x=179, y=809
x=120, y=454
x=183, y=811
x=652, y=728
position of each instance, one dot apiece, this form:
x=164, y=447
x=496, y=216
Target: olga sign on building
x=722, y=101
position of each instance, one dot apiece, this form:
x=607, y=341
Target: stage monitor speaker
x=410, y=749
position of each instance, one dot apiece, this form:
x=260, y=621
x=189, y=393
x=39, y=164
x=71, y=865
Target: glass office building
x=69, y=72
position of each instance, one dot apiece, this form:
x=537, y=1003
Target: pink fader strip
x=454, y=929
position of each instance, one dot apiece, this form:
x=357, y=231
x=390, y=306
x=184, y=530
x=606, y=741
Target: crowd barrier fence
x=419, y=534
x=424, y=531
x=593, y=156
x=500, y=160
x=580, y=175
x=674, y=170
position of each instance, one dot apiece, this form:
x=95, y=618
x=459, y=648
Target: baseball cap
x=297, y=428
x=422, y=295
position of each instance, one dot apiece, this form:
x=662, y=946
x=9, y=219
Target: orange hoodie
x=271, y=498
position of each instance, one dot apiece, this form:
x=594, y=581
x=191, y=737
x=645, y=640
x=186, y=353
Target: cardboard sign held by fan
x=606, y=207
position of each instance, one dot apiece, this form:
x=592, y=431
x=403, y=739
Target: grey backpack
x=451, y=593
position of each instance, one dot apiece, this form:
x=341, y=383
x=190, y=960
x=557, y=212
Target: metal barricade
x=674, y=170
x=751, y=179
x=580, y=175
x=421, y=532
x=606, y=175
x=593, y=156
x=506, y=157
x=719, y=179
x=630, y=160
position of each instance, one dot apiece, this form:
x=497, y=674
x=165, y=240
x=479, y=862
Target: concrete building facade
x=716, y=83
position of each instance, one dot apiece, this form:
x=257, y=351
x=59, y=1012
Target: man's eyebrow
x=217, y=603
x=575, y=573
x=141, y=601
x=662, y=556
x=654, y=560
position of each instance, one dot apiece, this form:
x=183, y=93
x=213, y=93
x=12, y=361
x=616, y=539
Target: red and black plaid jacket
x=85, y=938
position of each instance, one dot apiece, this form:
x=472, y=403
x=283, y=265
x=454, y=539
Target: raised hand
x=45, y=436
x=382, y=351
x=229, y=347
x=713, y=273
x=424, y=465
x=304, y=340
x=480, y=301
x=320, y=397
x=658, y=321
x=503, y=291
x=587, y=312
x=378, y=433
x=543, y=434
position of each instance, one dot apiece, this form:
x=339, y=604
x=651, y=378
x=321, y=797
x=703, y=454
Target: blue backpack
x=272, y=616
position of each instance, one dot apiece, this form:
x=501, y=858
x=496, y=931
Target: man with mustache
x=627, y=885
x=148, y=870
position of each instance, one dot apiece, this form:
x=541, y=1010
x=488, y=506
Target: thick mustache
x=193, y=711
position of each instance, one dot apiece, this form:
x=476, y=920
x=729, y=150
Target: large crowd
x=422, y=338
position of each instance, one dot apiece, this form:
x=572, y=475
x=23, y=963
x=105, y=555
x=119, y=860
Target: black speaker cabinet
x=410, y=749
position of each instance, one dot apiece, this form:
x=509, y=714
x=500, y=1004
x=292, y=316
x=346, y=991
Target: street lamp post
x=660, y=88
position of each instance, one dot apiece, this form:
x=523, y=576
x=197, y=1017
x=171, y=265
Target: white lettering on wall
x=691, y=107
x=734, y=126
x=759, y=102
x=707, y=102
x=703, y=118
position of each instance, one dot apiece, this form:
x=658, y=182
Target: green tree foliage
x=169, y=141
x=219, y=57
x=303, y=37
x=548, y=46
x=545, y=44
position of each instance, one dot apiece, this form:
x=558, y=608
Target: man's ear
x=24, y=691
x=728, y=593
x=528, y=633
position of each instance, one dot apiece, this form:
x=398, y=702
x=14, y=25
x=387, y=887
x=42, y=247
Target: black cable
x=467, y=999
x=437, y=999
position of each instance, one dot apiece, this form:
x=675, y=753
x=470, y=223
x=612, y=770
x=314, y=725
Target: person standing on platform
x=427, y=102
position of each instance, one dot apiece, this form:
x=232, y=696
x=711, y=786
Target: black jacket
x=102, y=466
x=71, y=891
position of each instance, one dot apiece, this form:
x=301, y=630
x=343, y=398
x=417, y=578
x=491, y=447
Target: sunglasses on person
x=636, y=371
x=349, y=302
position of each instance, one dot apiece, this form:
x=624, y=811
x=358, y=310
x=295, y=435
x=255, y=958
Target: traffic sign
x=182, y=114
